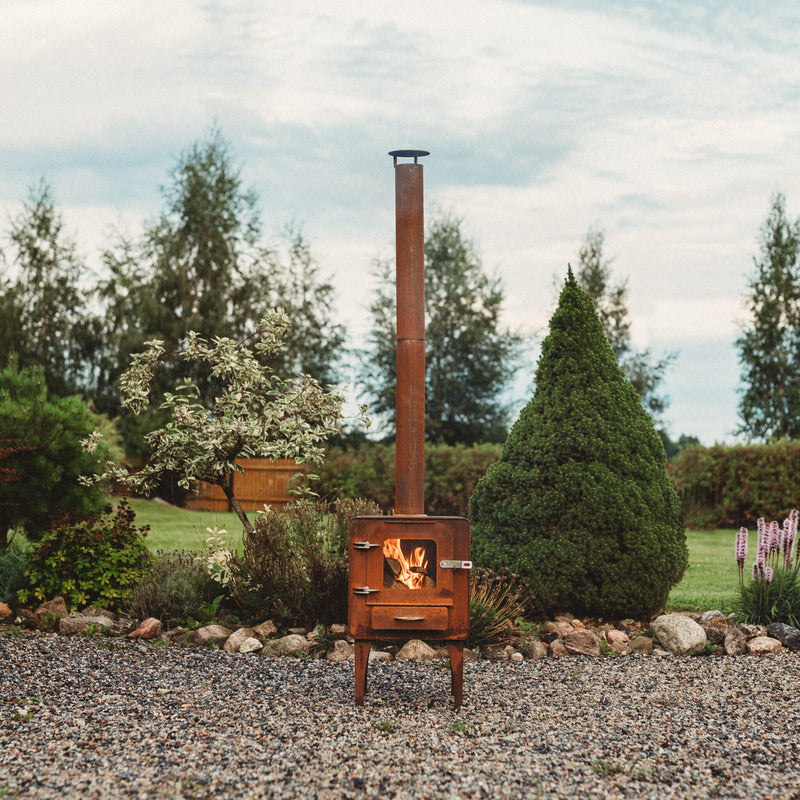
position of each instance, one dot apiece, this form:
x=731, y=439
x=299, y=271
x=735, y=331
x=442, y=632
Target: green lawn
x=712, y=579
x=710, y=582
x=173, y=528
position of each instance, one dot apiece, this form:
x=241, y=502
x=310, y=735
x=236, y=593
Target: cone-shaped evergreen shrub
x=580, y=504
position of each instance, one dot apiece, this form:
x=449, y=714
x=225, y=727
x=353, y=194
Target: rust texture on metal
x=410, y=408
x=409, y=573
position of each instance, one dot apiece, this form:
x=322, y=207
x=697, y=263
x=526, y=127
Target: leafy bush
x=12, y=572
x=41, y=454
x=496, y=602
x=773, y=594
x=580, y=503
x=176, y=588
x=92, y=560
x=451, y=473
x=724, y=487
x=294, y=563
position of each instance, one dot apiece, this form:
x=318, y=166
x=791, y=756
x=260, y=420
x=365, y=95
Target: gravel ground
x=103, y=718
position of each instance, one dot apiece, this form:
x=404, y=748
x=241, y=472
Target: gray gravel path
x=107, y=718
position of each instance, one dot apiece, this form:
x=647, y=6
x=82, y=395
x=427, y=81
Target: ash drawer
x=400, y=618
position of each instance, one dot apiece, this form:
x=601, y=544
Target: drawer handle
x=409, y=618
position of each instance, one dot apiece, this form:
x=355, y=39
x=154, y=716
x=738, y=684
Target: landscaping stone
x=531, y=646
x=291, y=645
x=98, y=611
x=614, y=635
x=715, y=634
x=558, y=649
x=340, y=650
x=266, y=629
x=495, y=653
x=709, y=616
x=81, y=625
x=788, y=636
x=735, y=643
x=237, y=638
x=583, y=642
x=250, y=645
x=148, y=629
x=679, y=634
x=641, y=644
x=415, y=650
x=338, y=631
x=753, y=631
x=762, y=645
x=5, y=611
x=218, y=634
x=619, y=648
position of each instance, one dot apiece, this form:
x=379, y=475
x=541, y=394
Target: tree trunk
x=227, y=487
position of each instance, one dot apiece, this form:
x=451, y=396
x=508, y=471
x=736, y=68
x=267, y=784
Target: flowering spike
x=774, y=537
x=768, y=574
x=741, y=546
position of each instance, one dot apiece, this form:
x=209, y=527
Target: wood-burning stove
x=409, y=572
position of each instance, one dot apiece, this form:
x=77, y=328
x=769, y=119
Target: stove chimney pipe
x=410, y=399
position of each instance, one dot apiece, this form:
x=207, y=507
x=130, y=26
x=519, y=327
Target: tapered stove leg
x=362, y=662
x=456, y=652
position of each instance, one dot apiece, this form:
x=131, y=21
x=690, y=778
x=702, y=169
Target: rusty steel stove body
x=409, y=573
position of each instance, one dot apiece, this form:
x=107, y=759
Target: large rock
x=558, y=649
x=735, y=642
x=83, y=625
x=641, y=644
x=788, y=636
x=679, y=634
x=148, y=629
x=294, y=644
x=340, y=650
x=266, y=629
x=583, y=642
x=531, y=646
x=212, y=634
x=762, y=645
x=250, y=645
x=235, y=640
x=415, y=650
x=715, y=634
x=614, y=635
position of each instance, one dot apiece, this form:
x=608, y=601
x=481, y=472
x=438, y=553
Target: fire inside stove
x=409, y=564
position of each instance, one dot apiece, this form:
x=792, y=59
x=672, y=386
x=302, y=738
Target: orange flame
x=417, y=559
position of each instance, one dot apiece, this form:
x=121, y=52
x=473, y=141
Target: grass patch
x=712, y=578
x=173, y=528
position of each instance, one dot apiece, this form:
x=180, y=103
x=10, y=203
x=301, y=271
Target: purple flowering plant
x=773, y=593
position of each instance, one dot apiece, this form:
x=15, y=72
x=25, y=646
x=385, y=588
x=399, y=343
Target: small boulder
x=266, y=629
x=641, y=644
x=47, y=614
x=98, y=611
x=715, y=634
x=531, y=646
x=340, y=650
x=753, y=631
x=619, y=648
x=583, y=642
x=291, y=645
x=762, y=645
x=250, y=645
x=82, y=625
x=614, y=635
x=494, y=653
x=558, y=649
x=415, y=650
x=516, y=656
x=709, y=616
x=735, y=643
x=338, y=631
x=234, y=642
x=5, y=611
x=788, y=636
x=679, y=634
x=122, y=626
x=216, y=634
x=148, y=629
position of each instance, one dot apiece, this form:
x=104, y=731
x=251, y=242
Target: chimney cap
x=415, y=154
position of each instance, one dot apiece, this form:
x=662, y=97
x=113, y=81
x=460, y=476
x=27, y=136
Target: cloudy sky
x=670, y=125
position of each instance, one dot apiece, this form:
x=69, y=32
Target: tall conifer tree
x=580, y=503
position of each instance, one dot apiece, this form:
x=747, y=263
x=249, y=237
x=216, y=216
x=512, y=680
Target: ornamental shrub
x=580, y=503
x=294, y=563
x=96, y=559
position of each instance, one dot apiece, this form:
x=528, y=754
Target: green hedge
x=451, y=473
x=727, y=487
